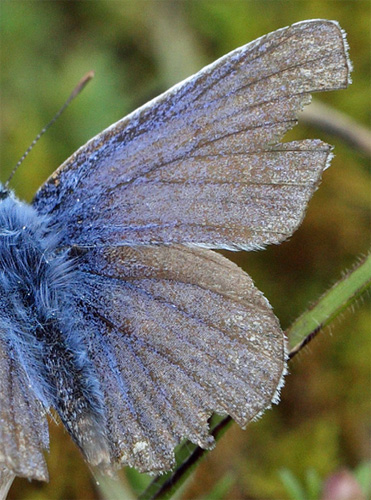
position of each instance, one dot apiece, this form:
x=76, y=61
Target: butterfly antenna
x=76, y=91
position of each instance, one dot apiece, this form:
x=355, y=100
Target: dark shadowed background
x=138, y=49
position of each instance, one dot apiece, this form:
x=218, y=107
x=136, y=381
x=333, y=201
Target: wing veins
x=244, y=87
x=171, y=305
x=186, y=340
x=267, y=51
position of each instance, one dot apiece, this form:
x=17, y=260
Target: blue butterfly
x=114, y=310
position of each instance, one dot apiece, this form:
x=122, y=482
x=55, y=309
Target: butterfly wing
x=176, y=333
x=200, y=164
x=23, y=430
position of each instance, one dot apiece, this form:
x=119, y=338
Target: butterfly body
x=119, y=315
x=40, y=326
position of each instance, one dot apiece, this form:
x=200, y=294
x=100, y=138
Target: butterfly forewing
x=179, y=170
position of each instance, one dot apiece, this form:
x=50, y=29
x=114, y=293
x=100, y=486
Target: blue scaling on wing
x=198, y=164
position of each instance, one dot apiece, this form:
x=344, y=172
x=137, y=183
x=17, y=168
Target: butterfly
x=115, y=312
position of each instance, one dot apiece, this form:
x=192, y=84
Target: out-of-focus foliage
x=138, y=49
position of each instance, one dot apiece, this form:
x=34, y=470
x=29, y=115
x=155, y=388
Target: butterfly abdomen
x=40, y=328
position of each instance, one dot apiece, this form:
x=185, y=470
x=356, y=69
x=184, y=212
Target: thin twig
x=334, y=122
x=6, y=480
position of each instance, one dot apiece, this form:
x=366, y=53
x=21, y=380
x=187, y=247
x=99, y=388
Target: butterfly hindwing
x=176, y=333
x=24, y=430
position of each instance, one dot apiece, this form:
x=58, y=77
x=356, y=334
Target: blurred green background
x=138, y=49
